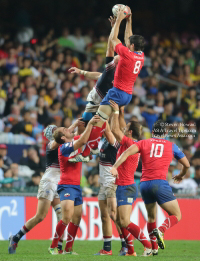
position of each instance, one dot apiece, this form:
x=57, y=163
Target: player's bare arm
x=186, y=165
x=132, y=150
x=90, y=75
x=85, y=136
x=77, y=123
x=128, y=30
x=115, y=30
x=115, y=126
x=110, y=48
x=122, y=123
x=109, y=135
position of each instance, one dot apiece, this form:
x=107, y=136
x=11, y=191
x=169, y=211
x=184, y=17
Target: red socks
x=94, y=139
x=150, y=227
x=138, y=234
x=71, y=234
x=60, y=228
x=169, y=222
x=128, y=238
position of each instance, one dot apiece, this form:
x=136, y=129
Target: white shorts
x=107, y=192
x=94, y=97
x=47, y=190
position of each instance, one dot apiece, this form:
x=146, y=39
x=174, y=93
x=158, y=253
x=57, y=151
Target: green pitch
x=37, y=250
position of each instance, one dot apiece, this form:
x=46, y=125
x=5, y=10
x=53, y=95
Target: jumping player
x=129, y=65
x=69, y=185
x=127, y=190
x=47, y=192
x=157, y=154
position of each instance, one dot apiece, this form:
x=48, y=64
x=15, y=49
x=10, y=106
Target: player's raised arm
x=115, y=30
x=132, y=150
x=91, y=75
x=77, y=123
x=110, y=48
x=109, y=135
x=115, y=127
x=85, y=136
x=128, y=30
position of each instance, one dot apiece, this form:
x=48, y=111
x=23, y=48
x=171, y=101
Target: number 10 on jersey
x=154, y=150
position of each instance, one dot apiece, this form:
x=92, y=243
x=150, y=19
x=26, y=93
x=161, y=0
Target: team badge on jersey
x=66, y=195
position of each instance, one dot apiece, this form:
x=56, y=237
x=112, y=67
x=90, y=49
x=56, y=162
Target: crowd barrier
x=15, y=211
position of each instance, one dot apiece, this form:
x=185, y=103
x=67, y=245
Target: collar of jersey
x=138, y=52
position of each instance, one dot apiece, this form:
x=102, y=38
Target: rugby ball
x=116, y=8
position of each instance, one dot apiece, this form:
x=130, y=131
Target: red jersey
x=128, y=68
x=157, y=155
x=70, y=172
x=127, y=169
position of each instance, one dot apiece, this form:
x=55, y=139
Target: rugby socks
x=94, y=139
x=71, y=234
x=169, y=222
x=60, y=242
x=129, y=240
x=122, y=241
x=138, y=234
x=60, y=228
x=20, y=234
x=107, y=243
x=151, y=227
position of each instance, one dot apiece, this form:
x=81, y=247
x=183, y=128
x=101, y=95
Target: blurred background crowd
x=36, y=88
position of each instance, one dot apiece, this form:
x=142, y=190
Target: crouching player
x=157, y=154
x=69, y=188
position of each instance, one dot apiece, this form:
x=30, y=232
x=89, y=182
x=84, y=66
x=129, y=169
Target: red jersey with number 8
x=128, y=68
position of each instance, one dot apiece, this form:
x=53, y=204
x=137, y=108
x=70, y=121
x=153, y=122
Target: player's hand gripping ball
x=116, y=8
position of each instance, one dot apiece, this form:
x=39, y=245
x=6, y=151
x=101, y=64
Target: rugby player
x=107, y=192
x=47, y=192
x=129, y=66
x=157, y=154
x=69, y=189
x=127, y=190
x=102, y=86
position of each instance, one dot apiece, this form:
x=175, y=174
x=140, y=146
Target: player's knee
x=123, y=222
x=112, y=215
x=102, y=115
x=105, y=218
x=40, y=218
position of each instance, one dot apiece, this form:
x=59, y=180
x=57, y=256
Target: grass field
x=37, y=250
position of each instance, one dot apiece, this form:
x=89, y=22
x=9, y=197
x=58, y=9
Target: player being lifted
x=47, y=192
x=129, y=65
x=103, y=84
x=157, y=154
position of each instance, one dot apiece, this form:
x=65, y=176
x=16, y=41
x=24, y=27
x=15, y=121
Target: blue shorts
x=87, y=116
x=156, y=191
x=70, y=192
x=120, y=97
x=126, y=195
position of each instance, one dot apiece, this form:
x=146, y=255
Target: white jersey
x=52, y=175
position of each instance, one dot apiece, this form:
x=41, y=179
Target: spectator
x=35, y=180
x=31, y=159
x=18, y=182
x=31, y=98
x=1, y=169
x=82, y=101
x=3, y=153
x=24, y=127
x=197, y=175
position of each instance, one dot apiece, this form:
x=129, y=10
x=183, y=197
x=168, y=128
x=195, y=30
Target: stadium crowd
x=36, y=90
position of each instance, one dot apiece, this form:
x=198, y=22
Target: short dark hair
x=159, y=128
x=138, y=42
x=57, y=136
x=135, y=127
